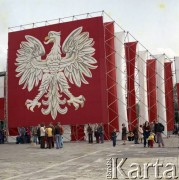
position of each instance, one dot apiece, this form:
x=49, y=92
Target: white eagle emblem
x=54, y=71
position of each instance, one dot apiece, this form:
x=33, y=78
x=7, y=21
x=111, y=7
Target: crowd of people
x=46, y=136
x=98, y=133
x=49, y=135
x=24, y=135
x=148, y=133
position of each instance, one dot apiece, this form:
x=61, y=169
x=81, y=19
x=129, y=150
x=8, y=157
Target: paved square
x=79, y=160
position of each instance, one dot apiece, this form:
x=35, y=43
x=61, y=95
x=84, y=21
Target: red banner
x=177, y=87
x=111, y=80
x=151, y=89
x=169, y=96
x=59, y=74
x=130, y=54
x=2, y=109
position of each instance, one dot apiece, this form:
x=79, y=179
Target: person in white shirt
x=42, y=136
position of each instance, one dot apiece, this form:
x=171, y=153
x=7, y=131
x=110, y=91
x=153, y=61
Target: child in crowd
x=151, y=139
x=130, y=136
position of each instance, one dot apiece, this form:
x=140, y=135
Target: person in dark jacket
x=38, y=133
x=124, y=133
x=57, y=135
x=114, y=137
x=90, y=134
x=1, y=137
x=136, y=134
x=159, y=128
x=101, y=133
x=146, y=130
x=96, y=133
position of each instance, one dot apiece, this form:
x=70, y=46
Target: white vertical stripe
x=177, y=68
x=2, y=87
x=67, y=133
x=141, y=65
x=121, y=78
x=161, y=105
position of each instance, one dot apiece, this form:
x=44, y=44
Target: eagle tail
x=54, y=100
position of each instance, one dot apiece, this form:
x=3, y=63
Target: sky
x=154, y=23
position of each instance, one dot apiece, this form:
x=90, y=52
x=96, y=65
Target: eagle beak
x=46, y=38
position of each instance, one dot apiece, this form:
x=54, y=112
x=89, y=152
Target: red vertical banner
x=2, y=96
x=130, y=54
x=169, y=98
x=2, y=109
x=111, y=80
x=5, y=100
x=177, y=86
x=151, y=89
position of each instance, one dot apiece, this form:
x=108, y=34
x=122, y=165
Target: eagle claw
x=31, y=104
x=77, y=101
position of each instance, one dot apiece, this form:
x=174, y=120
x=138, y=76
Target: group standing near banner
x=52, y=136
x=98, y=133
x=45, y=136
x=149, y=132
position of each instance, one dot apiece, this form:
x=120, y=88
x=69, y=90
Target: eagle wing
x=79, y=59
x=29, y=63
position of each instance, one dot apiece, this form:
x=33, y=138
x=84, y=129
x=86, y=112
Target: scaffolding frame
x=117, y=28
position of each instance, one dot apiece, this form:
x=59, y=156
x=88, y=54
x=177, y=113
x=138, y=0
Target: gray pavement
x=83, y=161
